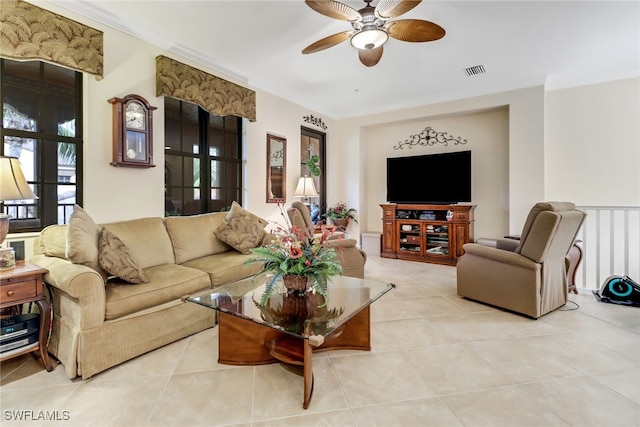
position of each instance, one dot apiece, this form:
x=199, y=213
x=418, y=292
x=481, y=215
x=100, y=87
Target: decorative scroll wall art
x=429, y=137
x=29, y=32
x=216, y=95
x=316, y=121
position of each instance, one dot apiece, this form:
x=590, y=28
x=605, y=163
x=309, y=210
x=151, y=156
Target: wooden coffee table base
x=243, y=342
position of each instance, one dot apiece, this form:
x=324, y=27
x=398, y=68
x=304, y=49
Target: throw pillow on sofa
x=241, y=230
x=82, y=240
x=53, y=241
x=115, y=257
x=237, y=209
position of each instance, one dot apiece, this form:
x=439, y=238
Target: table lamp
x=13, y=186
x=306, y=188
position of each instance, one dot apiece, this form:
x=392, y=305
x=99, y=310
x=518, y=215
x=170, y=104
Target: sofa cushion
x=241, y=232
x=237, y=209
x=116, y=259
x=192, y=236
x=225, y=267
x=53, y=241
x=147, y=239
x=165, y=283
x=82, y=240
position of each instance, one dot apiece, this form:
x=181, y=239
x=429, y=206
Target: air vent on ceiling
x=475, y=70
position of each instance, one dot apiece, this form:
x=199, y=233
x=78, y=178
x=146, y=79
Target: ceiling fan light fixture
x=372, y=27
x=369, y=37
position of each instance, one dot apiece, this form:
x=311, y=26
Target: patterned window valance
x=29, y=32
x=216, y=95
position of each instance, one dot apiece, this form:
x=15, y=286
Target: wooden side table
x=21, y=285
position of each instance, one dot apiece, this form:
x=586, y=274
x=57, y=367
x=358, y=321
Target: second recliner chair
x=531, y=278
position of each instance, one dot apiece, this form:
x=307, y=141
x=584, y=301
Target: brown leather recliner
x=529, y=276
x=350, y=256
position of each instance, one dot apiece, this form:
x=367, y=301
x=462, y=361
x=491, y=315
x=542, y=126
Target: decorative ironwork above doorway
x=429, y=137
x=316, y=121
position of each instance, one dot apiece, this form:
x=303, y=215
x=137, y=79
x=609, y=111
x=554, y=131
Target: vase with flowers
x=300, y=261
x=341, y=214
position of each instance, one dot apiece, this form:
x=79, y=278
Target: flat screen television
x=443, y=178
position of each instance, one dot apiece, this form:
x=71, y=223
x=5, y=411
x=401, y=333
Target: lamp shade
x=306, y=187
x=370, y=37
x=13, y=185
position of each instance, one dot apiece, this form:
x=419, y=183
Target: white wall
x=117, y=193
x=580, y=144
x=113, y=194
x=592, y=147
x=282, y=118
x=588, y=153
x=487, y=135
x=525, y=150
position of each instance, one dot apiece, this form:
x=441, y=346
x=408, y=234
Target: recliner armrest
x=499, y=255
x=506, y=244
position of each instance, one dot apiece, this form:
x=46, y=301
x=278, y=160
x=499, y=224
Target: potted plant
x=299, y=260
x=341, y=214
x=313, y=165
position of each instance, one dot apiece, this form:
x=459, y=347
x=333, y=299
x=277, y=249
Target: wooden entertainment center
x=427, y=233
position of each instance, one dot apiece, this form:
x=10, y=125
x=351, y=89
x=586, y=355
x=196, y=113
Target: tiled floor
x=437, y=360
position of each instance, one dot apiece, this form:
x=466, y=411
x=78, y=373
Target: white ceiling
x=520, y=43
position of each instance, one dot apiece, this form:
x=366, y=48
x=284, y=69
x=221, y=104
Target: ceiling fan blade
x=370, y=57
x=391, y=8
x=415, y=30
x=327, y=42
x=334, y=9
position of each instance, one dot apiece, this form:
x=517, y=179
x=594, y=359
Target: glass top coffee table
x=290, y=327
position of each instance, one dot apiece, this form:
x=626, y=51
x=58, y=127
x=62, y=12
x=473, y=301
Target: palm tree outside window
x=42, y=127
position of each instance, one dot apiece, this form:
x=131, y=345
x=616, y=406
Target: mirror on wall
x=312, y=143
x=276, y=168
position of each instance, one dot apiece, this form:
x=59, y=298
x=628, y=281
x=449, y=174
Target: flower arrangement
x=293, y=252
x=341, y=211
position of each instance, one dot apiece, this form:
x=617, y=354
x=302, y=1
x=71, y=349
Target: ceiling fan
x=372, y=27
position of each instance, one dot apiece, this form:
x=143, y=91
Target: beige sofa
x=100, y=323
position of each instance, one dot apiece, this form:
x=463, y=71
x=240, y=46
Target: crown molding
x=90, y=10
